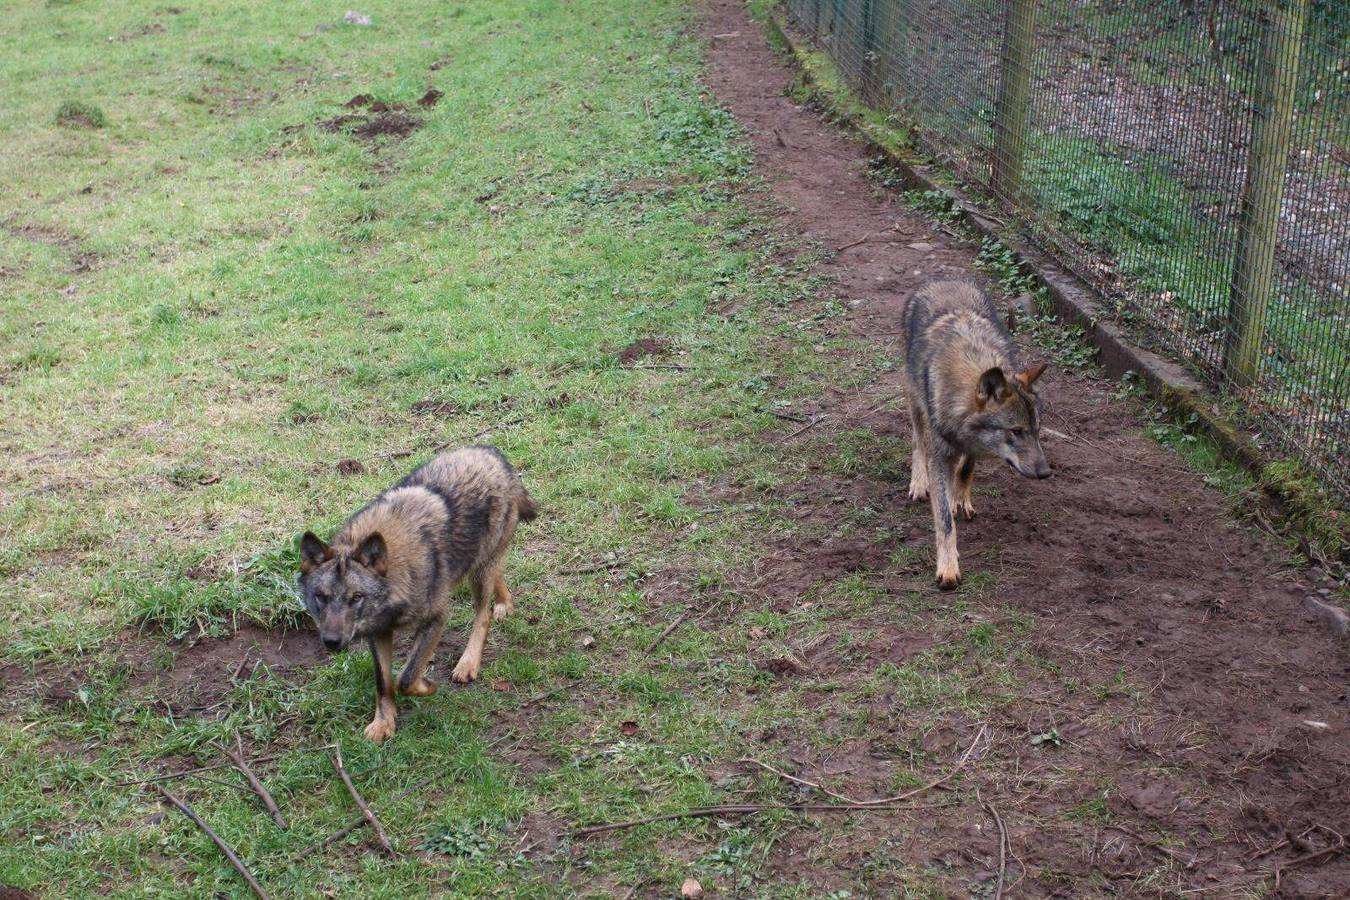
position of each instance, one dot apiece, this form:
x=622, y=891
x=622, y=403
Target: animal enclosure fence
x=1190, y=160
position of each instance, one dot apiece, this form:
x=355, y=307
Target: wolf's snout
x=1043, y=469
x=332, y=643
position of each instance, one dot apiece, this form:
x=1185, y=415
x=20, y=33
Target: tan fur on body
x=396, y=561
x=963, y=405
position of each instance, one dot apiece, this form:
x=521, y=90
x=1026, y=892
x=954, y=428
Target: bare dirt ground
x=1226, y=770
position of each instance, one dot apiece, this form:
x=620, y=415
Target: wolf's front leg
x=482, y=585
x=944, y=522
x=412, y=681
x=918, y=460
x=381, y=727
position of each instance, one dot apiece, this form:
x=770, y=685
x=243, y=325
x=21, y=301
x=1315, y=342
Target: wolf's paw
x=380, y=730
x=918, y=491
x=948, y=579
x=966, y=509
x=422, y=687
x=502, y=610
x=466, y=670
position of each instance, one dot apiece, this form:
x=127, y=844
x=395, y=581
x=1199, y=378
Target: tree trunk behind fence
x=1267, y=162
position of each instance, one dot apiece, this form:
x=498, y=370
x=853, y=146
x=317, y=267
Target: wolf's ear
x=993, y=386
x=372, y=554
x=1028, y=378
x=313, y=553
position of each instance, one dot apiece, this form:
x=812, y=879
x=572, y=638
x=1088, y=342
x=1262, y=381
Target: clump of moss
x=78, y=114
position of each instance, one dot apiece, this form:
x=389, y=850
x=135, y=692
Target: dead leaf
x=350, y=467
x=587, y=640
x=629, y=728
x=501, y=685
x=757, y=633
x=691, y=888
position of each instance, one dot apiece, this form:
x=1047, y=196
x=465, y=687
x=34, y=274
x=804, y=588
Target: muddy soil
x=1229, y=759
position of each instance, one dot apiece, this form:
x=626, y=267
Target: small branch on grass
x=666, y=632
x=357, y=823
x=807, y=427
x=851, y=244
x=189, y=772
x=225, y=848
x=1339, y=847
x=676, y=366
x=237, y=757
x=591, y=570
x=785, y=417
x=537, y=698
x=743, y=809
x=1175, y=854
x=1002, y=848
x=361, y=802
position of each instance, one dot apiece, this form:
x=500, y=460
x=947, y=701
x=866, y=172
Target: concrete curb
x=1077, y=303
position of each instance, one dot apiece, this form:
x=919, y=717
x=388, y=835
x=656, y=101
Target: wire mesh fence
x=1191, y=160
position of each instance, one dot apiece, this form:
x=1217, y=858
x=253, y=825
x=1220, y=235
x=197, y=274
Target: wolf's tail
x=525, y=507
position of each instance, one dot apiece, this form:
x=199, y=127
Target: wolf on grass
x=965, y=403
x=396, y=560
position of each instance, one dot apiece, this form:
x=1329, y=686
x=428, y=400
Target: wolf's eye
x=1017, y=432
x=356, y=598
x=322, y=599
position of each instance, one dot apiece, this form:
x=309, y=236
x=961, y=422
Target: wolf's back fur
x=444, y=519
x=952, y=336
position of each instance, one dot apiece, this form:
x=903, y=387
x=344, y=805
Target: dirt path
x=1235, y=736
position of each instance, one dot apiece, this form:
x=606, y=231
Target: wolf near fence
x=1189, y=161
x=964, y=405
x=395, y=562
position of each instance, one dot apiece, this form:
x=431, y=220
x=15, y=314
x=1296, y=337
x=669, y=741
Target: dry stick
x=675, y=366
x=738, y=809
x=357, y=823
x=557, y=690
x=811, y=784
x=751, y=808
x=242, y=765
x=590, y=570
x=965, y=757
x=361, y=802
x=1309, y=857
x=666, y=633
x=809, y=425
x=219, y=842
x=1002, y=849
x=785, y=417
x=188, y=773
x=849, y=246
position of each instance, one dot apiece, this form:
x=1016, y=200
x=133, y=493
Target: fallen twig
x=786, y=417
x=851, y=244
x=546, y=694
x=1339, y=847
x=737, y=809
x=808, y=426
x=666, y=632
x=676, y=366
x=1002, y=849
x=189, y=772
x=598, y=567
x=242, y=765
x=965, y=757
x=225, y=848
x=361, y=802
x=357, y=823
x=811, y=784
x=1175, y=854
x=752, y=808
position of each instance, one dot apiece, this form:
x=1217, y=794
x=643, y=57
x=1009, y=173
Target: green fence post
x=1267, y=162
x=1014, y=94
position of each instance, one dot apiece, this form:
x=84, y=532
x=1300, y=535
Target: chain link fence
x=1190, y=160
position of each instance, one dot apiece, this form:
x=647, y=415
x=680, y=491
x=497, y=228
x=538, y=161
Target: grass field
x=216, y=289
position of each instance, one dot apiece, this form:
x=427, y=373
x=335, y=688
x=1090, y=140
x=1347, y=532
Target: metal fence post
x=1014, y=93
x=1267, y=162
x=869, y=51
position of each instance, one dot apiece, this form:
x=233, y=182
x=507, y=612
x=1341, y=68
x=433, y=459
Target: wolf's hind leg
x=381, y=727
x=965, y=477
x=918, y=461
x=412, y=682
x=482, y=583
